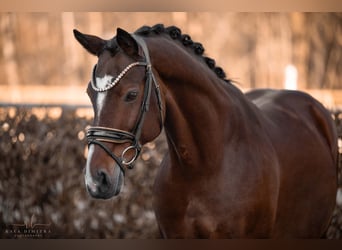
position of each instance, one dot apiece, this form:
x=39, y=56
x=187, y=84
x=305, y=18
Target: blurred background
x=44, y=109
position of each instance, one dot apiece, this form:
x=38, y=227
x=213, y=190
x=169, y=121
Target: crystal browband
x=113, y=81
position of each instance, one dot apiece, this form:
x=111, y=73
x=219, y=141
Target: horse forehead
x=111, y=64
x=103, y=81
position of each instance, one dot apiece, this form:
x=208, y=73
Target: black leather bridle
x=100, y=135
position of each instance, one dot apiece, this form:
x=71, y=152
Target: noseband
x=100, y=135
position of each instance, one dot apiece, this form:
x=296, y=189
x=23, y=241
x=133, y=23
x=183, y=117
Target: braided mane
x=176, y=34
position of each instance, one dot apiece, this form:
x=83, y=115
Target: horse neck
x=200, y=109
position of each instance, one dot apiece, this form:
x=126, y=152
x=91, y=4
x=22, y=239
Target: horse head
x=128, y=109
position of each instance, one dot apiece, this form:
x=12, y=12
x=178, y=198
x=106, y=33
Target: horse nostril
x=103, y=179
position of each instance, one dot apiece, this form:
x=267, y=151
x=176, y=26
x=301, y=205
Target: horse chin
x=111, y=190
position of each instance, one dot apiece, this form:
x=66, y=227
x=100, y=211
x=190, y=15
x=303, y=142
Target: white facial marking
x=88, y=179
x=101, y=82
x=100, y=100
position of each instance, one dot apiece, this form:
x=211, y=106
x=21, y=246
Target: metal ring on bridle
x=128, y=163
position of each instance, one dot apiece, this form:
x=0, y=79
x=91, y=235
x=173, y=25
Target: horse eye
x=131, y=96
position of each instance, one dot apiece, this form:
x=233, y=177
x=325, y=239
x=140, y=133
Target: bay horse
x=256, y=165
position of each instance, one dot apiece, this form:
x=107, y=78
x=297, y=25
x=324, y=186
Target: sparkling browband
x=113, y=81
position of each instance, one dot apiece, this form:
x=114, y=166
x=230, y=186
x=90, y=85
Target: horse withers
x=256, y=165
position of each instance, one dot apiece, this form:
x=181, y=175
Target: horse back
x=283, y=107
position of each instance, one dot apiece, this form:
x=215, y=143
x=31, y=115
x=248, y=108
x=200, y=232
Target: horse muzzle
x=103, y=186
x=103, y=182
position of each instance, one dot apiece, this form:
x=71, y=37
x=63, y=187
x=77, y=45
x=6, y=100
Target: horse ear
x=127, y=42
x=92, y=44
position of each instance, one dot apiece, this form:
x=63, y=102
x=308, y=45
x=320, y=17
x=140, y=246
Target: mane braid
x=176, y=34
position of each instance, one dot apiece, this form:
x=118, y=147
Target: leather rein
x=100, y=135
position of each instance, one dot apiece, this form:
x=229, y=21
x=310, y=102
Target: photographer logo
x=29, y=229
